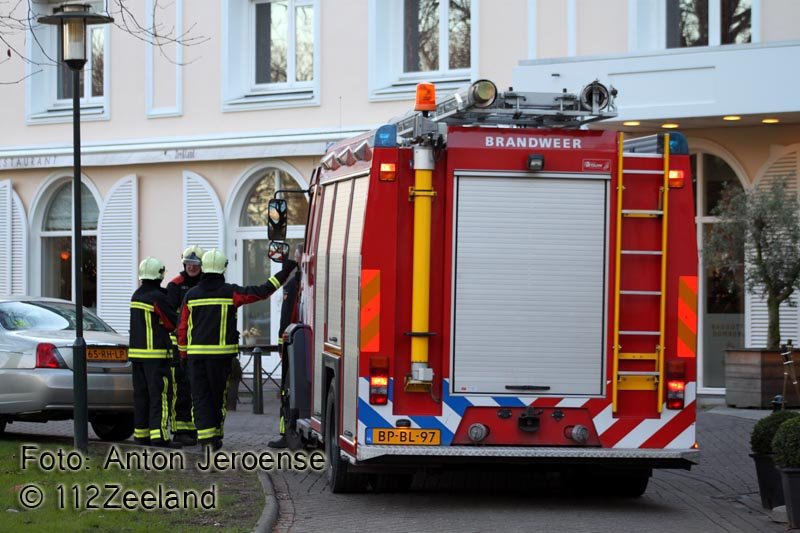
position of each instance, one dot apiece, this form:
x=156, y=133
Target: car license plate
x=106, y=354
x=405, y=436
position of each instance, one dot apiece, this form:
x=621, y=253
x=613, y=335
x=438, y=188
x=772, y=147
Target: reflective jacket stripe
x=210, y=301
x=275, y=282
x=141, y=353
x=148, y=320
x=211, y=349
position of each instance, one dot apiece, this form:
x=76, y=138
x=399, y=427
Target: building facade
x=184, y=143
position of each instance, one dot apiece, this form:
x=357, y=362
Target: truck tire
x=113, y=427
x=630, y=484
x=339, y=478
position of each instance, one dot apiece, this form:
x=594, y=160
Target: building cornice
x=175, y=149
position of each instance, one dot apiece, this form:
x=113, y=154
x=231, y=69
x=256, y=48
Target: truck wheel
x=628, y=484
x=339, y=479
x=113, y=427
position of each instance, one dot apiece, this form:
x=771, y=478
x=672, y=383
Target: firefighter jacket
x=152, y=318
x=179, y=286
x=208, y=318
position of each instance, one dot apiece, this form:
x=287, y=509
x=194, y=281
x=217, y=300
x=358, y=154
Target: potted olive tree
x=758, y=231
x=769, y=478
x=786, y=446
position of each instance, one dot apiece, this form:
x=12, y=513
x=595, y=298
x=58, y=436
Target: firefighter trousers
x=284, y=406
x=152, y=393
x=182, y=415
x=209, y=378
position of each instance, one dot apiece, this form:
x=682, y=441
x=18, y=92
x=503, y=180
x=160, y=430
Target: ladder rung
x=633, y=171
x=640, y=333
x=638, y=356
x=642, y=213
x=637, y=373
x=642, y=293
x=640, y=252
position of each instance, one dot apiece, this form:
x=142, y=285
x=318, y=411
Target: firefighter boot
x=187, y=439
x=278, y=444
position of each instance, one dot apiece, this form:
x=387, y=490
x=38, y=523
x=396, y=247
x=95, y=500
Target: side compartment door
x=352, y=307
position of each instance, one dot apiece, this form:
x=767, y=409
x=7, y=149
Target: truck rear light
x=388, y=172
x=675, y=394
x=675, y=179
x=47, y=356
x=379, y=381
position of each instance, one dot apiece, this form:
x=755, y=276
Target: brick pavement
x=720, y=494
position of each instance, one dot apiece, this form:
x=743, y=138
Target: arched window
x=722, y=296
x=262, y=318
x=57, y=249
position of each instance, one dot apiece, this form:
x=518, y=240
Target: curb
x=269, y=516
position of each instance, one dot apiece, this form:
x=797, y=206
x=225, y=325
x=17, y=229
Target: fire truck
x=487, y=281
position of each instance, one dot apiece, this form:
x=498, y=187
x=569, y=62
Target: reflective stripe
x=165, y=407
x=182, y=347
x=141, y=353
x=155, y=434
x=173, y=419
x=212, y=349
x=141, y=433
x=206, y=433
x=223, y=323
x=210, y=301
x=184, y=426
x=275, y=282
x=173, y=338
x=148, y=321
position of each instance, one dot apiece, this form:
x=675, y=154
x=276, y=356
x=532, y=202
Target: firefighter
x=208, y=332
x=288, y=315
x=181, y=416
x=150, y=351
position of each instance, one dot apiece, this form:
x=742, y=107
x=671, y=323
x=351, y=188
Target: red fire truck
x=486, y=281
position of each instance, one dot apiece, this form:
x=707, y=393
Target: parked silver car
x=36, y=338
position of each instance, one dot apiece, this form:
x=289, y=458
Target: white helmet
x=193, y=255
x=151, y=268
x=214, y=262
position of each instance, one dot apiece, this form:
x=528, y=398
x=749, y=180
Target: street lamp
x=72, y=19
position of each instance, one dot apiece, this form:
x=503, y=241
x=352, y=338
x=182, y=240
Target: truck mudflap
x=671, y=436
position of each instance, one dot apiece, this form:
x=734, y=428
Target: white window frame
x=387, y=78
x=647, y=19
x=240, y=92
x=38, y=213
x=42, y=103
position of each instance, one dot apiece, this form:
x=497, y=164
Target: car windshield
x=17, y=316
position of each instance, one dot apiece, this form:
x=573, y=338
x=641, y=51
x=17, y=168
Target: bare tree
x=19, y=18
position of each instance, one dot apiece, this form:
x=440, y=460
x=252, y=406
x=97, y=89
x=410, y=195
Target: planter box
x=791, y=491
x=753, y=378
x=770, y=486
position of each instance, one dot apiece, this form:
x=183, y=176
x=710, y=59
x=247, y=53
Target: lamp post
x=72, y=20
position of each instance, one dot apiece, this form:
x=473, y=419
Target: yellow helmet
x=193, y=255
x=151, y=268
x=214, y=262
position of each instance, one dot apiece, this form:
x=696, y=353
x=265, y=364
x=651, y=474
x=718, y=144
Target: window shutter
x=757, y=320
x=5, y=237
x=202, y=213
x=118, y=253
x=19, y=246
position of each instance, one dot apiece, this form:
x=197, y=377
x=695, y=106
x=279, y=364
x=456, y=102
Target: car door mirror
x=276, y=220
x=278, y=251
